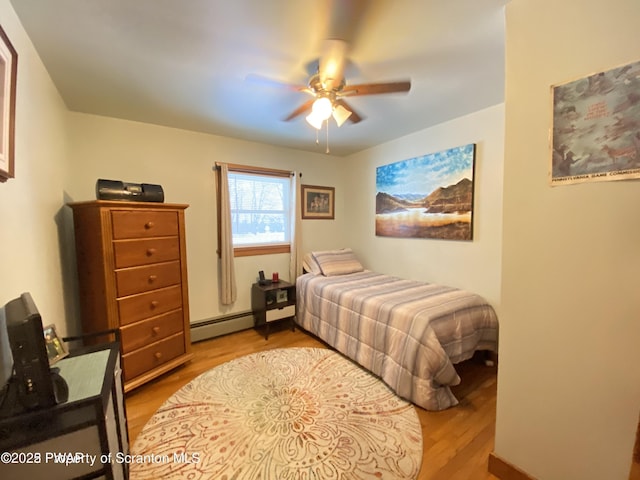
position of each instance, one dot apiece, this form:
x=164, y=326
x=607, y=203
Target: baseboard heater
x=214, y=327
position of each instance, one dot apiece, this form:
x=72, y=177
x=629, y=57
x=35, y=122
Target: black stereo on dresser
x=133, y=192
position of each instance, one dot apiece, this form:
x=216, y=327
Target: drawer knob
x=152, y=278
x=150, y=251
x=155, y=330
x=154, y=304
x=148, y=225
x=158, y=355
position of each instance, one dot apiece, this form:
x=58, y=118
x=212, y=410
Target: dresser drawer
x=144, y=305
x=130, y=253
x=151, y=356
x=146, y=332
x=141, y=279
x=140, y=224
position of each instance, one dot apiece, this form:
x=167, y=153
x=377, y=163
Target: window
x=260, y=210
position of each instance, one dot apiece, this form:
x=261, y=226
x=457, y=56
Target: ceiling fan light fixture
x=322, y=108
x=314, y=120
x=340, y=114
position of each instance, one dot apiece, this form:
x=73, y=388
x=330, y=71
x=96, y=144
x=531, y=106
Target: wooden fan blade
x=270, y=82
x=332, y=62
x=346, y=18
x=376, y=88
x=306, y=106
x=354, y=117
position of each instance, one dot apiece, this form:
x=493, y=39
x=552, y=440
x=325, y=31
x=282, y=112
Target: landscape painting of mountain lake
x=427, y=197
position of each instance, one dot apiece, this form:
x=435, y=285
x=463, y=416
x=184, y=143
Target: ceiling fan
x=328, y=88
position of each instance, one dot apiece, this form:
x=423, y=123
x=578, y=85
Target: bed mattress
x=409, y=333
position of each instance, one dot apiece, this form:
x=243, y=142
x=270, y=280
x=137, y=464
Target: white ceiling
x=184, y=63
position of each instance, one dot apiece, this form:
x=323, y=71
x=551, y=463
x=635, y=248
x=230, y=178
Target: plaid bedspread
x=408, y=333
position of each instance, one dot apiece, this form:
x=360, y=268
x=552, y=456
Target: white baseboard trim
x=207, y=329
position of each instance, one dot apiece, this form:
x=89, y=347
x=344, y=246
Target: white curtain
x=228, y=291
x=295, y=263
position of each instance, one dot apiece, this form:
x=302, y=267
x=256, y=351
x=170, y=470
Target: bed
x=408, y=333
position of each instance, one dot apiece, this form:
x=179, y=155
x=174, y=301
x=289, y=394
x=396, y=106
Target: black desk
x=83, y=437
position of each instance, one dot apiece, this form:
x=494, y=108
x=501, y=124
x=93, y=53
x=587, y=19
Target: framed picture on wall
x=318, y=202
x=430, y=196
x=8, y=74
x=596, y=134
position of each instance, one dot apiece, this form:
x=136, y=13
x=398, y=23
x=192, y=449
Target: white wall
x=32, y=259
x=472, y=265
x=568, y=378
x=181, y=161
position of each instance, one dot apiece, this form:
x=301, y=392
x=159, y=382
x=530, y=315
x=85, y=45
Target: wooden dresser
x=132, y=274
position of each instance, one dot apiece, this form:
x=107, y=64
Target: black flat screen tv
x=6, y=358
x=31, y=373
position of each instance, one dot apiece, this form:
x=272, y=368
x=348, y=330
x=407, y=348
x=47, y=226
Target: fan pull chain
x=317, y=138
x=327, y=151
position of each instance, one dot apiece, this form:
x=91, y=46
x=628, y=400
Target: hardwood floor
x=457, y=441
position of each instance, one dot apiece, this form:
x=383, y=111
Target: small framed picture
x=56, y=349
x=281, y=296
x=318, y=202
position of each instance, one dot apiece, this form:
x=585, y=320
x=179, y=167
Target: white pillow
x=310, y=265
x=337, y=262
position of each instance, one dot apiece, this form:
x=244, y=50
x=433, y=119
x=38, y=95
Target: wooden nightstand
x=273, y=302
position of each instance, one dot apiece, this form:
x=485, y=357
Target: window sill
x=261, y=250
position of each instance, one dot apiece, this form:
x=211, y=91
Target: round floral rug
x=291, y=413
